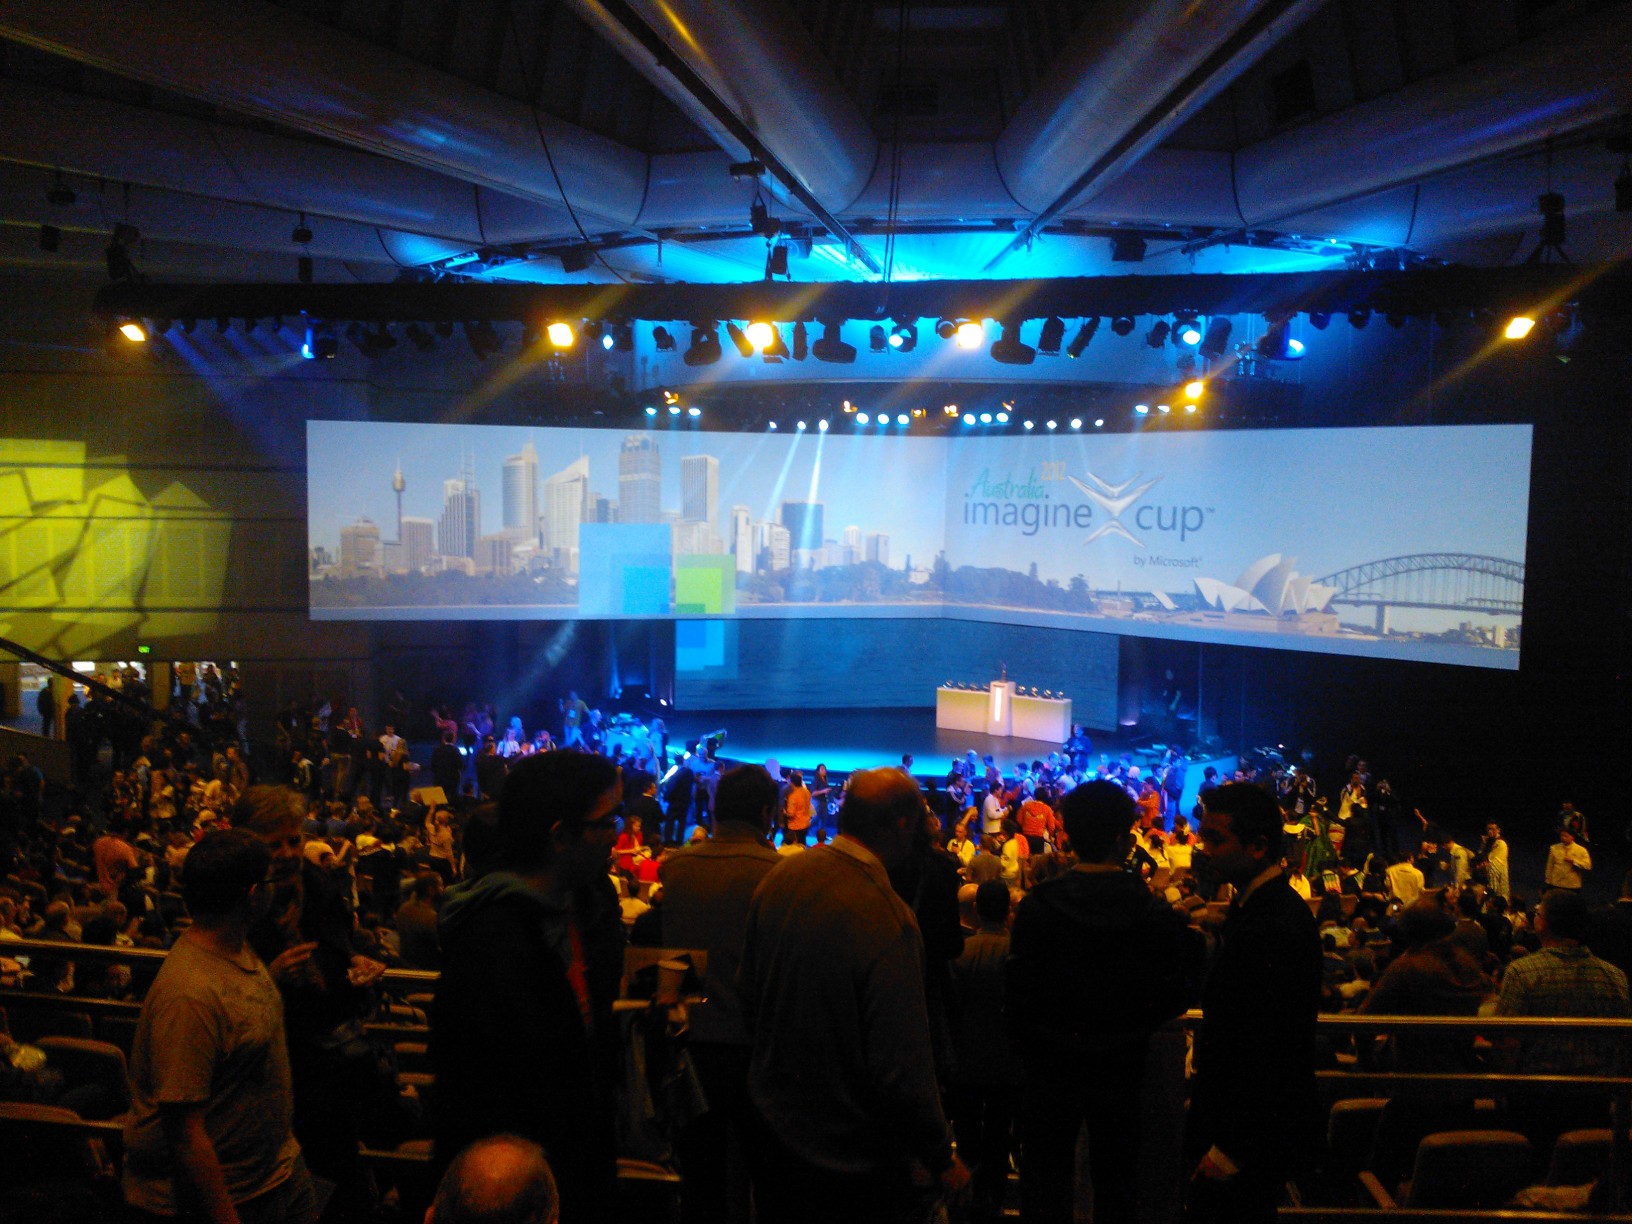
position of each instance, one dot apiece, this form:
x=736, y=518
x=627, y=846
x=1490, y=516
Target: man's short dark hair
x=992, y=901
x=503, y=1179
x=745, y=794
x=221, y=871
x=1467, y=903
x=874, y=805
x=544, y=791
x=1254, y=816
x=1097, y=816
x=1568, y=914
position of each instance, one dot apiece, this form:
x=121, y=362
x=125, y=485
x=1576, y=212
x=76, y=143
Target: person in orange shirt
x=796, y=810
x=1150, y=805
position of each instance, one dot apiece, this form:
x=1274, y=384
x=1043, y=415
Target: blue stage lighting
x=1076, y=422
x=968, y=418
x=650, y=410
x=1142, y=409
x=902, y=418
x=985, y=418
x=862, y=418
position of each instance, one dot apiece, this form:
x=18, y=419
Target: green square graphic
x=705, y=584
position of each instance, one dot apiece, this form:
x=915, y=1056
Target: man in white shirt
x=391, y=742
x=1566, y=860
x=992, y=812
x=1405, y=881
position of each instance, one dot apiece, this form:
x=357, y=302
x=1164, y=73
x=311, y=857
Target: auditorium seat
x=1579, y=1156
x=42, y=1142
x=87, y=1064
x=1351, y=1129
x=1460, y=1170
x=118, y=1030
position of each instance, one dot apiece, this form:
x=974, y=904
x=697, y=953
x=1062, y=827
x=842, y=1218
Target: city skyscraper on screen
x=521, y=494
x=461, y=514
x=640, y=481
x=566, y=505
x=700, y=489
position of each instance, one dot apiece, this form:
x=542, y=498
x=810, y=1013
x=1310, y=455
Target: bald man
x=503, y=1179
x=832, y=988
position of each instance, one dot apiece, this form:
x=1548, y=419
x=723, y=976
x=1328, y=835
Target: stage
x=847, y=740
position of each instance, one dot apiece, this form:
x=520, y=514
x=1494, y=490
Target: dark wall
x=886, y=664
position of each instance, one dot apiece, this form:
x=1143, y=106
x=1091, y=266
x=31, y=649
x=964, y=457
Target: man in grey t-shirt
x=209, y=1134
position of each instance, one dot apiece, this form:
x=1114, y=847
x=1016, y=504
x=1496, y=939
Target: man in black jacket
x=1095, y=964
x=1253, y=1107
x=522, y=1036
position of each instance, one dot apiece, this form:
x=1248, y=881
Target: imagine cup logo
x=1114, y=499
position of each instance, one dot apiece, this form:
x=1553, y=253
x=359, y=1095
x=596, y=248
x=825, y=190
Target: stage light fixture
x=301, y=233
x=1127, y=248
x=1053, y=425
x=848, y=406
x=561, y=334
x=946, y=329
x=60, y=195
x=968, y=418
x=1518, y=327
x=1122, y=325
x=674, y=409
x=1002, y=418
x=821, y=425
x=132, y=330
x=739, y=338
x=904, y=336
x=970, y=335
x=950, y=410
x=800, y=427
x=862, y=418
x=1190, y=408
x=875, y=338
x=801, y=342
x=319, y=344
x=1187, y=329
x=694, y=412
x=1163, y=409
x=651, y=410
x=919, y=413
x=1028, y=425
x=483, y=339
x=759, y=334
x=771, y=426
x=1193, y=390
x=831, y=347
x=1076, y=422
x=422, y=339
x=607, y=341
x=662, y=340
x=1099, y=422
x=1396, y=318
x=1216, y=341
x=1052, y=335
x=188, y=326
x=1085, y=333
x=1008, y=349
x=444, y=329
x=985, y=418
x=1142, y=409
x=705, y=345
x=1318, y=319
x=576, y=259
x=776, y=348
x=1359, y=317
x=776, y=261
x=902, y=418
x=1157, y=335
x=883, y=420
x=1277, y=344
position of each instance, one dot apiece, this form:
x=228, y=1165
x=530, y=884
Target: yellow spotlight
x=561, y=334
x=918, y=412
x=1193, y=390
x=950, y=410
x=970, y=335
x=759, y=334
x=1518, y=327
x=133, y=331
x=848, y=406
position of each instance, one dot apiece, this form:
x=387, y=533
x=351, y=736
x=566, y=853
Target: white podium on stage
x=999, y=710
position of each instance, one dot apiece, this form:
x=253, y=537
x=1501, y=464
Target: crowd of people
x=901, y=986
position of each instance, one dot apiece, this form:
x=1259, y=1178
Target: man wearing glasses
x=522, y=1040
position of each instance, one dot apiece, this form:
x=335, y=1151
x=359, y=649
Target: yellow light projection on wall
x=85, y=555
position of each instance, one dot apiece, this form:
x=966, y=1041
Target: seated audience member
x=504, y=1179
x=1084, y=1043
x=1563, y=978
x=522, y=1036
x=209, y=1135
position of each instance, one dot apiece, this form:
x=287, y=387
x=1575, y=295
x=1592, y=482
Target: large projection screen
x=1402, y=543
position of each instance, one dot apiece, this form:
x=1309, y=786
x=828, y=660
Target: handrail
x=102, y=952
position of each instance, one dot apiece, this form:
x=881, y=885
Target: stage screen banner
x=1397, y=542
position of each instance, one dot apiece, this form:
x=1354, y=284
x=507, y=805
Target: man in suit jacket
x=1253, y=1106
